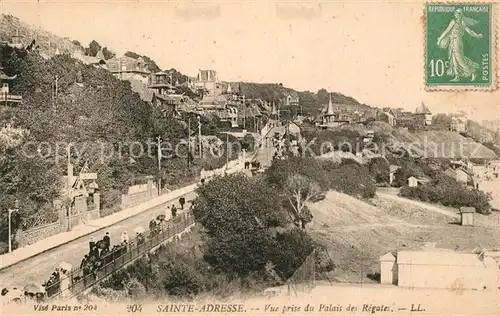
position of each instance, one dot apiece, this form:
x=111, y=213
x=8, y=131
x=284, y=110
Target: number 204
x=438, y=67
x=134, y=308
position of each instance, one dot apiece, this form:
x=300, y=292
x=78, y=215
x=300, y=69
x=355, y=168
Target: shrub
x=352, y=179
x=449, y=192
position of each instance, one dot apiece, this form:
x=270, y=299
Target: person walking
x=182, y=201
x=124, y=240
x=174, y=211
x=84, y=261
x=107, y=241
x=91, y=244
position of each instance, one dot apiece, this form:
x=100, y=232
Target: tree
x=323, y=96
x=353, y=179
x=93, y=49
x=248, y=142
x=379, y=169
x=107, y=53
x=242, y=217
x=300, y=190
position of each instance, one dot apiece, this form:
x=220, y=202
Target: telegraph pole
x=189, y=142
x=159, y=164
x=227, y=151
x=199, y=137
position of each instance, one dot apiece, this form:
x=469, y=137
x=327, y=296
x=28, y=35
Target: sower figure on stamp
x=459, y=65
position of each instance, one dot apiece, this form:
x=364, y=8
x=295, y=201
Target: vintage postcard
x=249, y=157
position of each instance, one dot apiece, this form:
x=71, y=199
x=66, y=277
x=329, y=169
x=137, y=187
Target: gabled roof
x=422, y=109
x=328, y=110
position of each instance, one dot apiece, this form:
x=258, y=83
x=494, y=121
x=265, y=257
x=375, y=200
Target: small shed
x=388, y=269
x=412, y=182
x=467, y=216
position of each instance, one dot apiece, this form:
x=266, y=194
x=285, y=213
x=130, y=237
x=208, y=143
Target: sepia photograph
x=249, y=157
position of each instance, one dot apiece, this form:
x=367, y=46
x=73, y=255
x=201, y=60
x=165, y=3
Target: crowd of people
x=99, y=255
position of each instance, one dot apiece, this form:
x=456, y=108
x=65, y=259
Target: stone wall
x=137, y=198
x=139, y=194
x=24, y=238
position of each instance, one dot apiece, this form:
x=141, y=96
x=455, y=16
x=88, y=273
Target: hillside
x=105, y=122
x=352, y=229
x=10, y=26
x=430, y=143
x=311, y=103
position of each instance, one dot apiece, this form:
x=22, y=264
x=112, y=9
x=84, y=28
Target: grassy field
x=357, y=233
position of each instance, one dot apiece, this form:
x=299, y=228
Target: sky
x=370, y=50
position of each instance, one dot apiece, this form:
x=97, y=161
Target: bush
x=352, y=179
x=449, y=192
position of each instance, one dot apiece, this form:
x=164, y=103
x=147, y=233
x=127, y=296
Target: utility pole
x=57, y=79
x=227, y=151
x=15, y=209
x=159, y=164
x=199, y=137
x=189, y=142
x=69, y=169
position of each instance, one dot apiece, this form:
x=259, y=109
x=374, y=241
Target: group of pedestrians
x=53, y=284
x=100, y=254
x=255, y=164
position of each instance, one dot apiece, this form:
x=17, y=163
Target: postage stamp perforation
x=494, y=47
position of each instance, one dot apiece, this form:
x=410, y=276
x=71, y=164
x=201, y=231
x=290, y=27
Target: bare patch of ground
x=356, y=233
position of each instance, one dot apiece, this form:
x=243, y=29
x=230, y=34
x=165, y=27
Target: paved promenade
x=46, y=253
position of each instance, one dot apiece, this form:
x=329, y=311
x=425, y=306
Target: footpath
x=33, y=250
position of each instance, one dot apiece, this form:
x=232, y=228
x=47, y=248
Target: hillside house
x=414, y=181
x=129, y=68
x=387, y=115
x=207, y=80
x=331, y=116
x=97, y=61
x=248, y=117
x=404, y=118
x=16, y=41
x=422, y=115
x=368, y=136
x=213, y=102
x=161, y=83
x=328, y=117
x=291, y=99
x=230, y=114
x=173, y=104
x=231, y=88
x=6, y=97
